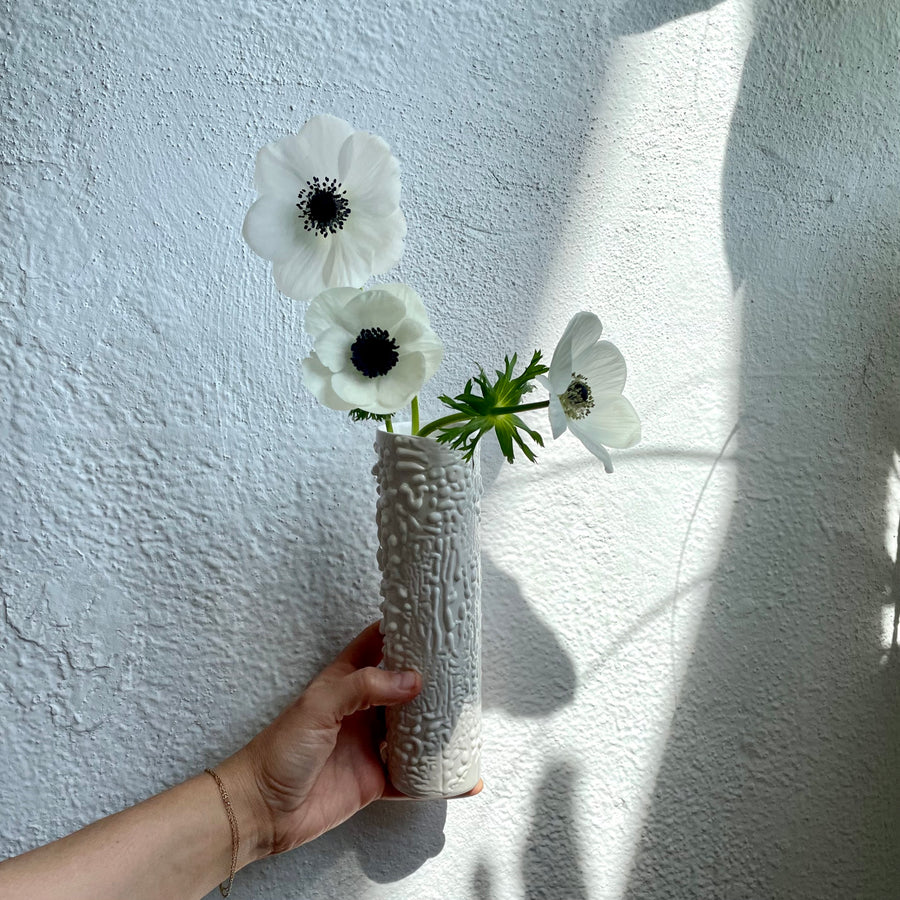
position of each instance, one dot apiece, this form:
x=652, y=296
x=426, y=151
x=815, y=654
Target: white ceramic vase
x=429, y=555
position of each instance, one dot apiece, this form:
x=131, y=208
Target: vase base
x=438, y=792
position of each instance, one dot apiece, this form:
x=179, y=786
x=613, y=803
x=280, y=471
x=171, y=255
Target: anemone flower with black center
x=372, y=350
x=328, y=212
x=585, y=382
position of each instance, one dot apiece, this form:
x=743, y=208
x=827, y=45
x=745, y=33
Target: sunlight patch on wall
x=891, y=538
x=633, y=554
x=892, y=509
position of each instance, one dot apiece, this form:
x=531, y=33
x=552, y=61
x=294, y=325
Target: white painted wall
x=690, y=685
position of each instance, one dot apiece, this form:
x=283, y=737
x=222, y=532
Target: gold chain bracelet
x=225, y=886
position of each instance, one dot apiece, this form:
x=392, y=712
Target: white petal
x=561, y=365
x=370, y=174
x=318, y=380
x=431, y=349
x=409, y=331
x=614, y=422
x=584, y=330
x=379, y=240
x=319, y=145
x=603, y=367
x=333, y=347
x=415, y=336
x=355, y=389
x=273, y=229
x=388, y=253
x=348, y=262
x=558, y=419
x=401, y=384
x=300, y=276
x=281, y=170
x=586, y=435
x=324, y=310
x=415, y=308
x=372, y=309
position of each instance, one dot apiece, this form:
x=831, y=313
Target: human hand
x=320, y=761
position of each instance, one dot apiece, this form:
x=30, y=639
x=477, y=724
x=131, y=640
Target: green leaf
x=492, y=405
x=360, y=415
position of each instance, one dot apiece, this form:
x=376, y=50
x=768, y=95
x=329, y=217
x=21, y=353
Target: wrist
x=253, y=816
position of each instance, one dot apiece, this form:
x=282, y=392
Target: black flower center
x=374, y=352
x=577, y=400
x=323, y=206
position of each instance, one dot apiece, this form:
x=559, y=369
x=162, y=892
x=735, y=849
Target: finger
x=368, y=687
x=391, y=793
x=364, y=650
x=475, y=790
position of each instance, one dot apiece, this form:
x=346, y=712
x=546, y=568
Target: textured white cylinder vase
x=429, y=555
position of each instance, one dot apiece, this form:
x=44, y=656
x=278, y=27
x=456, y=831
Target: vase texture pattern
x=429, y=554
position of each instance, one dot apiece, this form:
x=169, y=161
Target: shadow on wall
x=481, y=882
x=527, y=672
x=551, y=865
x=779, y=778
x=391, y=840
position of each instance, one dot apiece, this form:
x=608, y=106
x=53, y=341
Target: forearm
x=315, y=766
x=174, y=845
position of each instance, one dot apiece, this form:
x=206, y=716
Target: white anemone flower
x=373, y=350
x=585, y=381
x=328, y=212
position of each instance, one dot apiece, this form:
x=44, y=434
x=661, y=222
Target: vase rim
x=449, y=454
x=404, y=427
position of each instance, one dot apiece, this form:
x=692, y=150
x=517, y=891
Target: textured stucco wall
x=690, y=689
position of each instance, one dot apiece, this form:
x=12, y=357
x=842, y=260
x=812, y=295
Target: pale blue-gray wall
x=691, y=684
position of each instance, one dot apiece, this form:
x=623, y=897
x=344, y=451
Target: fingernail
x=406, y=681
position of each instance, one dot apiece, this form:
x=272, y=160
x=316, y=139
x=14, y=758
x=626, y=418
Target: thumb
x=374, y=687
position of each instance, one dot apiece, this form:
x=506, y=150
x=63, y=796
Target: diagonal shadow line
x=687, y=535
x=634, y=457
x=644, y=620
x=672, y=599
x=677, y=453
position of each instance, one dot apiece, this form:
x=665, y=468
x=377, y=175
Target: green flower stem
x=415, y=414
x=523, y=407
x=438, y=424
x=388, y=426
